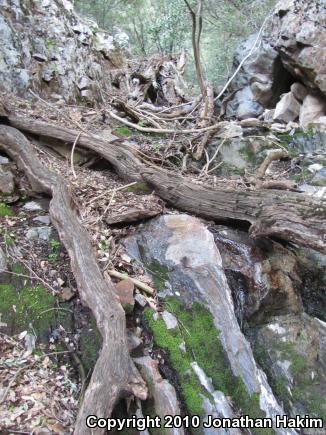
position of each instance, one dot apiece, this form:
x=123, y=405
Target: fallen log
x=121, y=156
x=291, y=216
x=114, y=375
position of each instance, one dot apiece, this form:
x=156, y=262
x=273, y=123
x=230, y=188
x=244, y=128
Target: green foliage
x=55, y=247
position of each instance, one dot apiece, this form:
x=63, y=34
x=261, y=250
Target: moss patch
x=28, y=308
x=197, y=330
x=124, y=131
x=5, y=210
x=90, y=344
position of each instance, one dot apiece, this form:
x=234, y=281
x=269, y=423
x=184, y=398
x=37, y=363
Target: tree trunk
x=114, y=374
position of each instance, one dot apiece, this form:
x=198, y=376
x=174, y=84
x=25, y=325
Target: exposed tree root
x=114, y=375
x=291, y=216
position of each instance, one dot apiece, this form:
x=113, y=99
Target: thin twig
x=72, y=155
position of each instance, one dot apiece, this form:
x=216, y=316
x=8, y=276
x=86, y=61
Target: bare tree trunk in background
x=197, y=26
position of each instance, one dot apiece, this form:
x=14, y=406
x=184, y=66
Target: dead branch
x=141, y=285
x=114, y=374
x=290, y=216
x=271, y=156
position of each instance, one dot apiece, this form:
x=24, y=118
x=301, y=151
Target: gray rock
x=296, y=358
x=160, y=390
x=141, y=300
x=299, y=91
x=32, y=234
x=287, y=109
x=315, y=168
x=312, y=109
x=43, y=233
x=7, y=181
x=183, y=248
x=246, y=105
x=170, y=320
x=43, y=219
x=4, y=160
x=3, y=261
x=319, y=178
x=32, y=206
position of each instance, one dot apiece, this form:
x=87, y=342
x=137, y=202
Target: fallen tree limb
x=291, y=216
x=121, y=156
x=114, y=375
x=287, y=215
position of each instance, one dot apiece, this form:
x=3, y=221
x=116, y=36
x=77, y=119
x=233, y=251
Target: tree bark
x=291, y=216
x=114, y=375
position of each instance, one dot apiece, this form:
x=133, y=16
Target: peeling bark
x=114, y=375
x=291, y=216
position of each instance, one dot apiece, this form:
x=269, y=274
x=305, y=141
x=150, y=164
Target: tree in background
x=165, y=26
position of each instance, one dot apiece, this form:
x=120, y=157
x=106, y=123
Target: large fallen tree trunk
x=114, y=374
x=291, y=216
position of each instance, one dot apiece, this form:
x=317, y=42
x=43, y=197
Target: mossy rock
x=197, y=330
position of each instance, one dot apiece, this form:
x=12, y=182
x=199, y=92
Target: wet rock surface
x=263, y=276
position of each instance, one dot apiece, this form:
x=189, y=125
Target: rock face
x=46, y=45
x=292, y=351
x=290, y=57
x=178, y=249
x=262, y=275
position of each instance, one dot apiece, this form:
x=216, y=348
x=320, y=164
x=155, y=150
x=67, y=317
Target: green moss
x=198, y=331
x=5, y=210
x=124, y=131
x=90, y=345
x=28, y=308
x=159, y=273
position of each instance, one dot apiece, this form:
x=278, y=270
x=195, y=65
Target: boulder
x=291, y=55
x=292, y=351
x=287, y=109
x=262, y=275
x=299, y=91
x=312, y=109
x=180, y=251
